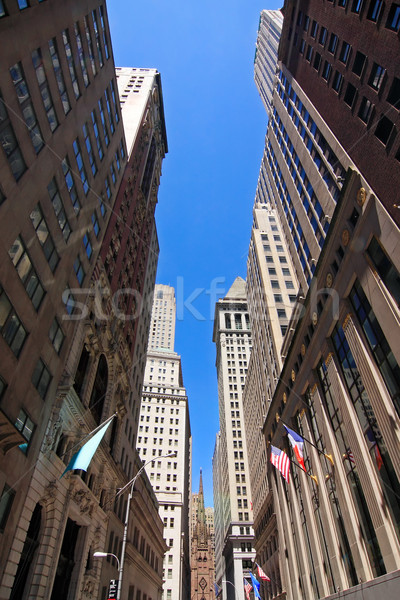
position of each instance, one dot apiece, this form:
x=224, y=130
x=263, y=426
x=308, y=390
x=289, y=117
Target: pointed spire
x=201, y=484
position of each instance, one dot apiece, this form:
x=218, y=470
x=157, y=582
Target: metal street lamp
x=105, y=554
x=131, y=484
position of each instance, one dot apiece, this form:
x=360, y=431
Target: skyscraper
x=232, y=494
x=269, y=33
x=164, y=427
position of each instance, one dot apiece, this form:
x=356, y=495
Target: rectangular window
x=41, y=378
x=393, y=96
x=22, y=4
x=333, y=42
x=274, y=284
x=56, y=335
x=69, y=301
x=115, y=103
x=79, y=270
x=70, y=62
x=81, y=166
x=365, y=109
x=110, y=116
x=2, y=14
x=90, y=45
x=89, y=149
x=317, y=61
x=11, y=327
x=103, y=121
x=376, y=77
x=384, y=129
x=326, y=71
x=337, y=82
x=59, y=75
x=70, y=183
x=45, y=93
x=44, y=237
x=359, y=62
x=385, y=268
x=97, y=38
x=350, y=95
x=289, y=285
x=281, y=313
x=357, y=6
x=26, y=272
x=374, y=10
x=58, y=206
x=344, y=53
x=393, y=20
x=95, y=223
x=87, y=245
x=25, y=102
x=10, y=144
x=306, y=23
x=81, y=54
x=6, y=500
x=322, y=36
x=112, y=171
x=97, y=135
x=25, y=426
x=309, y=53
x=314, y=29
x=104, y=31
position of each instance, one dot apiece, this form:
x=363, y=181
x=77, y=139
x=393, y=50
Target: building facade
x=202, y=548
x=164, y=428
x=269, y=33
x=232, y=492
x=70, y=336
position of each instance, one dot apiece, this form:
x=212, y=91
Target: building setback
x=164, y=428
x=232, y=492
x=68, y=337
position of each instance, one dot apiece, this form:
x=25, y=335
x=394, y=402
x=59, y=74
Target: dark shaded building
x=344, y=54
x=201, y=550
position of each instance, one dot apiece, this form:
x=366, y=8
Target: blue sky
x=216, y=125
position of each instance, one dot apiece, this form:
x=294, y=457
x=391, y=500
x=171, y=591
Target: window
x=357, y=6
x=44, y=237
x=365, y=109
x=56, y=335
x=59, y=75
x=344, y=53
x=95, y=223
x=22, y=4
x=333, y=42
x=87, y=245
x=393, y=20
x=27, y=109
x=359, y=62
x=317, y=61
x=289, y=285
x=25, y=426
x=275, y=284
x=89, y=149
x=79, y=270
x=314, y=29
x=374, y=10
x=110, y=116
x=384, y=129
x=337, y=82
x=10, y=144
x=281, y=313
x=81, y=166
x=302, y=46
x=26, y=272
x=81, y=54
x=71, y=187
x=97, y=136
x=342, y=3
x=41, y=378
x=326, y=71
x=103, y=121
x=11, y=327
x=6, y=500
x=376, y=77
x=393, y=96
x=70, y=62
x=58, y=206
x=278, y=298
x=309, y=53
x=2, y=14
x=97, y=38
x=90, y=45
x=350, y=95
x=44, y=89
x=322, y=36
x=306, y=23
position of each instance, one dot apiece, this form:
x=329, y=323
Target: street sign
x=113, y=589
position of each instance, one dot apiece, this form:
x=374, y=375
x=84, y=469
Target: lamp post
x=234, y=587
x=131, y=484
x=105, y=554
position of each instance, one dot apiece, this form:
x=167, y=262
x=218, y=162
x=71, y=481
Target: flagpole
x=328, y=456
x=313, y=477
x=89, y=434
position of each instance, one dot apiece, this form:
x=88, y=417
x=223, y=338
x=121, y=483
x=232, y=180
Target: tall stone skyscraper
x=269, y=33
x=202, y=548
x=332, y=141
x=164, y=427
x=232, y=495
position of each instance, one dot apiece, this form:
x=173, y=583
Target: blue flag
x=217, y=589
x=82, y=458
x=256, y=586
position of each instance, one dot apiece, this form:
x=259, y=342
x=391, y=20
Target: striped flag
x=247, y=588
x=297, y=442
x=349, y=456
x=261, y=573
x=281, y=461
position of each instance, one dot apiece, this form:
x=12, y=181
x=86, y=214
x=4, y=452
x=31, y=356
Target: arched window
x=99, y=389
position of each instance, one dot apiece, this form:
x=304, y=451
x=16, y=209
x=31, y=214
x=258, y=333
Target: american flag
x=247, y=589
x=261, y=573
x=349, y=455
x=281, y=461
